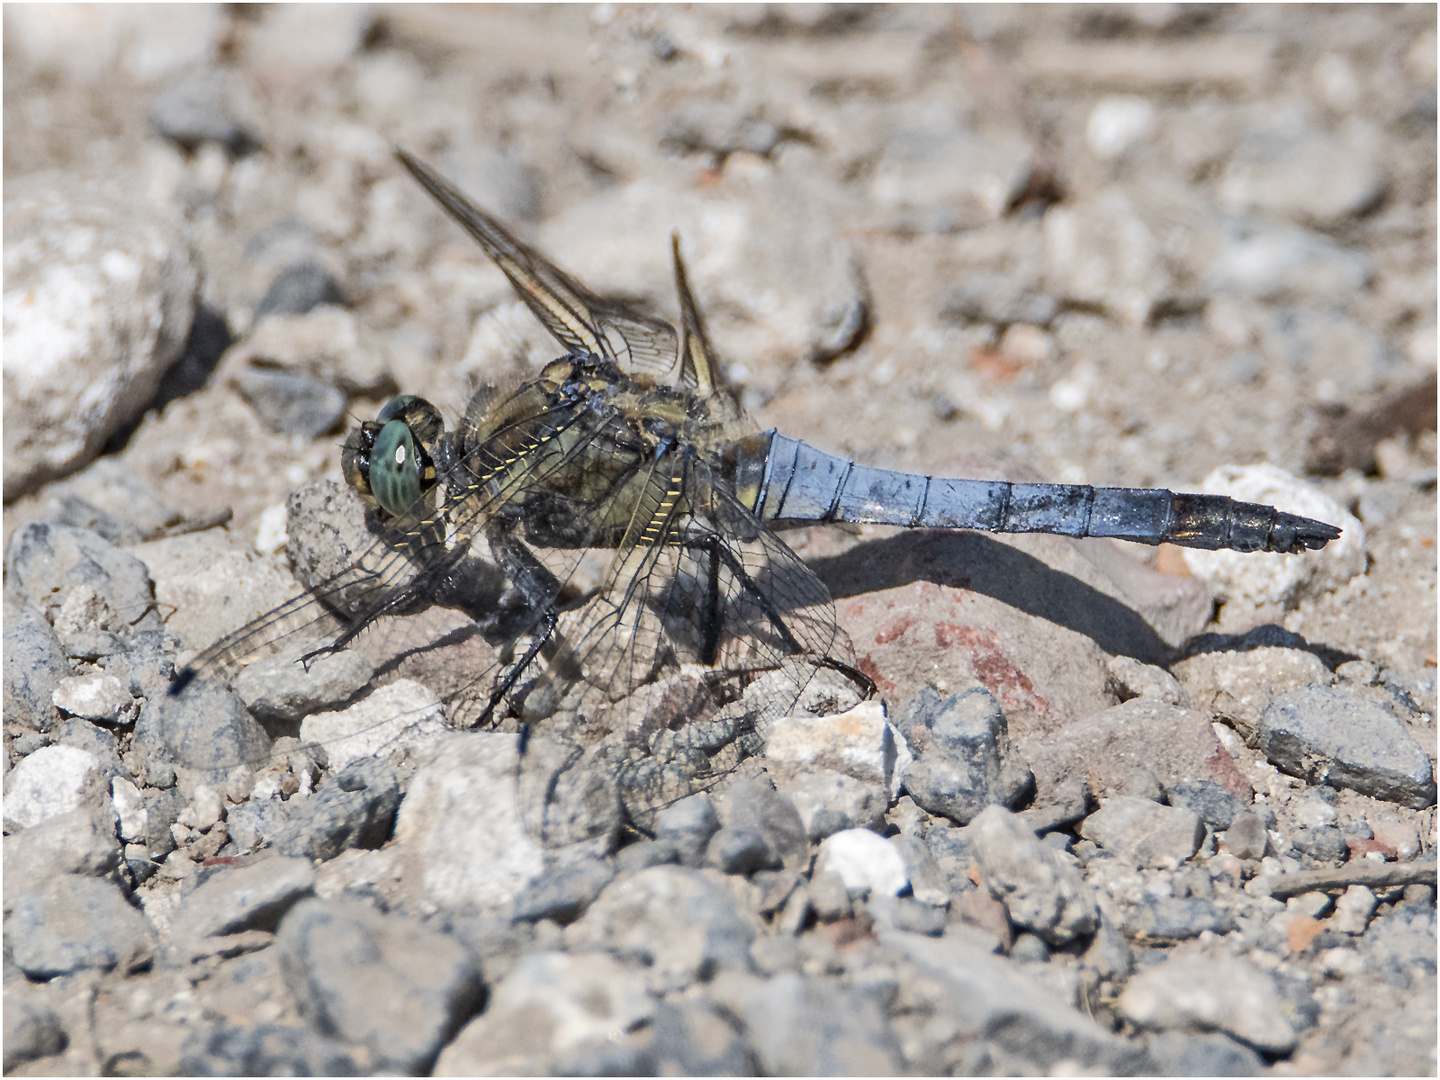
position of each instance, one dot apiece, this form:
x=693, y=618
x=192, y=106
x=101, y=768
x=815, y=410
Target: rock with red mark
x=1032, y=619
x=1177, y=746
x=964, y=760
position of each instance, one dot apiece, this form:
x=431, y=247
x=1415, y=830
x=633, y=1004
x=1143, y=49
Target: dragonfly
x=610, y=531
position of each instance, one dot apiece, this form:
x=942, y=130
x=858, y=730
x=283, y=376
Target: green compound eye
x=395, y=468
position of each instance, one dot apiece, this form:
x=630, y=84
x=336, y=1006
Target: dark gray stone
x=256, y=823
x=205, y=728
x=1173, y=918
x=740, y=851
x=1214, y=805
x=1324, y=843
x=226, y=1049
x=964, y=761
x=35, y=663
x=162, y=808
x=72, y=923
x=753, y=805
x=290, y=403
x=1204, y=1055
x=384, y=981
x=354, y=808
x=31, y=1032
x=687, y=826
x=298, y=289
x=198, y=108
x=1328, y=736
x=562, y=893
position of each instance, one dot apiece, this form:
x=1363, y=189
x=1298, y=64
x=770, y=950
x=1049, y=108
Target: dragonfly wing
x=576, y=317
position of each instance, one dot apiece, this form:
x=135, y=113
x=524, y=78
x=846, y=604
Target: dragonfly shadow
x=966, y=560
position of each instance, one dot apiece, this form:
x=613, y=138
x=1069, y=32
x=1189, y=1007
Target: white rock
x=865, y=861
x=1117, y=123
x=859, y=743
x=99, y=294
x=396, y=717
x=1200, y=993
x=1269, y=577
x=460, y=827
x=48, y=782
x=130, y=809
x=98, y=696
x=1353, y=910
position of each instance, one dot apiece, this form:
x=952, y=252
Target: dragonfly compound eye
x=395, y=468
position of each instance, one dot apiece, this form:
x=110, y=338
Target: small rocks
x=1149, y=834
x=550, y=1004
x=71, y=923
x=1333, y=737
x=383, y=981
x=354, y=808
x=1202, y=993
x=683, y=925
x=225, y=1049
x=1274, y=578
x=1042, y=891
x=964, y=760
x=761, y=830
x=864, y=861
x=1170, y=918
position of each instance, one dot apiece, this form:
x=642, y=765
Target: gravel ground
x=1124, y=811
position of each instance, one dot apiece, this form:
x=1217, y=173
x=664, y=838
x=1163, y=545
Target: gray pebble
x=197, y=108
x=1041, y=890
x=354, y=808
x=1324, y=843
x=384, y=981
x=694, y=1037
x=226, y=1049
x=1215, y=805
x=72, y=923
x=81, y=842
x=298, y=289
x=242, y=900
x=1198, y=993
x=562, y=893
x=35, y=665
x=1333, y=737
x=964, y=760
x=1173, y=918
x=1246, y=837
x=282, y=690
x=754, y=809
x=44, y=563
x=1000, y=299
x=291, y=403
x=1204, y=1055
x=688, y=825
x=1147, y=833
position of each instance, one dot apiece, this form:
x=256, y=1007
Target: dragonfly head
x=391, y=460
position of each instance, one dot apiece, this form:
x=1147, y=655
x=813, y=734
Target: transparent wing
x=578, y=319
x=705, y=630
